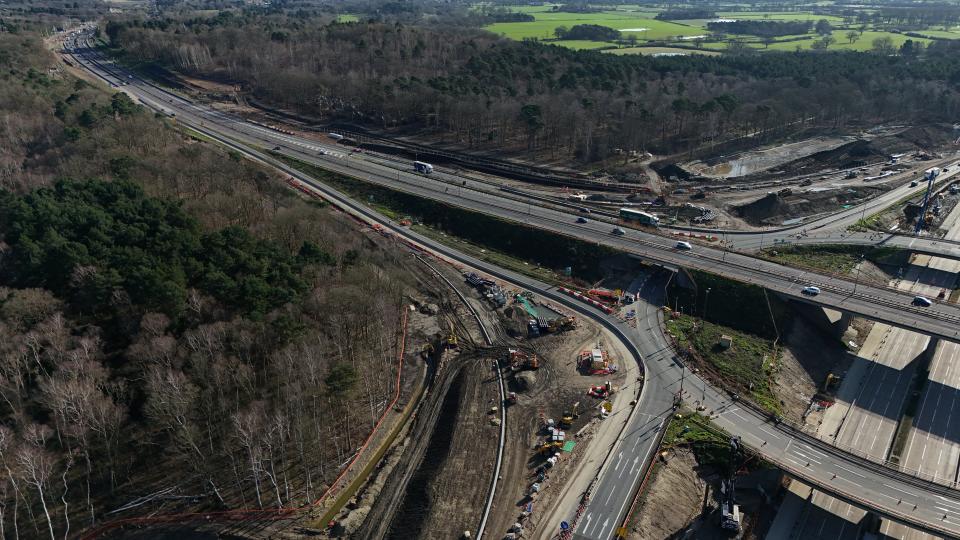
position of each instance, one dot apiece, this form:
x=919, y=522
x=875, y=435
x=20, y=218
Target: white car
x=811, y=290
x=684, y=245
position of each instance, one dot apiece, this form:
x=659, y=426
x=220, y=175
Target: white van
x=684, y=245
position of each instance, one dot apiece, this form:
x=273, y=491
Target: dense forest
x=173, y=323
x=482, y=91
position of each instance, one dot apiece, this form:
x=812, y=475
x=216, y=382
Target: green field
x=863, y=43
x=546, y=23
x=658, y=50
x=778, y=16
x=640, y=24
x=952, y=34
x=347, y=18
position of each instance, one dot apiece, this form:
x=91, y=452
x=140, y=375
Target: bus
x=422, y=167
x=644, y=218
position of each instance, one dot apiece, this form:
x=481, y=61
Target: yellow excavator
x=562, y=324
x=549, y=447
x=452, y=342
x=566, y=421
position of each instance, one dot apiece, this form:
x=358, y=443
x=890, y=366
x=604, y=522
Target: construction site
x=775, y=186
x=562, y=378
x=704, y=485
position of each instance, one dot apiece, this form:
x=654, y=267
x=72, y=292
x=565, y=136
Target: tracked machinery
x=451, y=341
x=520, y=361
x=566, y=420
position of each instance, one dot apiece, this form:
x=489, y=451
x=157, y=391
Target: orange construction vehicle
x=520, y=360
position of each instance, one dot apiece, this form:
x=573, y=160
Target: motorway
x=879, y=303
x=933, y=443
x=837, y=472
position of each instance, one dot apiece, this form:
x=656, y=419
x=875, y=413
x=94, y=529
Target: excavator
x=562, y=324
x=520, y=360
x=451, y=340
x=548, y=448
x=566, y=420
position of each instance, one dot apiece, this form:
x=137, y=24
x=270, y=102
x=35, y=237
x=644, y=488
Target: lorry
x=931, y=173
x=643, y=218
x=423, y=168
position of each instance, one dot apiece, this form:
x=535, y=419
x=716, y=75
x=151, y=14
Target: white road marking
x=808, y=458
x=900, y=490
x=849, y=471
x=808, y=449
x=606, y=523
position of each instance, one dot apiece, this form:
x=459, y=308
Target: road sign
x=564, y=525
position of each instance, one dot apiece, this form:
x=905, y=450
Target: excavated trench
x=409, y=519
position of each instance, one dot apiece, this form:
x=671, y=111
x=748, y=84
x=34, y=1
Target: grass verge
x=835, y=259
x=748, y=365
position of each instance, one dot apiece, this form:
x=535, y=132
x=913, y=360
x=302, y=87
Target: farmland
x=639, y=27
x=643, y=28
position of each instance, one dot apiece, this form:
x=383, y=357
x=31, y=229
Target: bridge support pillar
x=839, y=322
x=836, y=323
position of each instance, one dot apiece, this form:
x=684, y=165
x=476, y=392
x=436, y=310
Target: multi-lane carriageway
x=897, y=494
x=883, y=304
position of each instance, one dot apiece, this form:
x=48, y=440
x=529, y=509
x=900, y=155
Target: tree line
x=679, y=14
x=589, y=32
x=761, y=28
x=480, y=91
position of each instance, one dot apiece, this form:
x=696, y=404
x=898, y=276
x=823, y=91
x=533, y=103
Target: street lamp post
x=857, y=281
x=706, y=301
x=683, y=372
